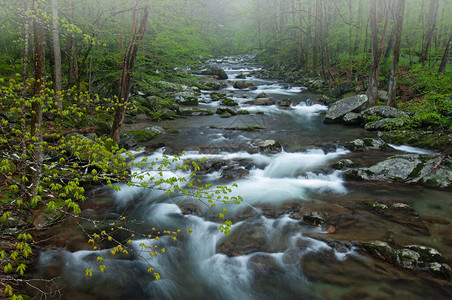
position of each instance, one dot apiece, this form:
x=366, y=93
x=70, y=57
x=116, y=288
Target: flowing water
x=270, y=253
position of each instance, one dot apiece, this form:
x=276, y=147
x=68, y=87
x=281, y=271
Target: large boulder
x=384, y=111
x=188, y=96
x=261, y=101
x=386, y=124
x=339, y=109
x=215, y=71
x=213, y=84
x=243, y=84
x=429, y=170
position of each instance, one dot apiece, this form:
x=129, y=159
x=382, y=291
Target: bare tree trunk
x=39, y=85
x=56, y=54
x=372, y=89
x=446, y=56
x=431, y=21
x=318, y=33
x=23, y=145
x=395, y=60
x=128, y=69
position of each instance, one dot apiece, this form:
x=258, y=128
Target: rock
x=261, y=95
x=217, y=96
x=313, y=218
x=132, y=138
x=352, y=118
x=383, y=96
x=234, y=172
x=343, y=164
x=241, y=76
x=261, y=101
x=410, y=168
x=269, y=146
x=356, y=145
x=285, y=103
x=215, y=71
x=225, y=115
x=213, y=84
x=246, y=239
x=223, y=110
x=339, y=109
x=386, y=124
x=243, y=84
x=229, y=102
x=384, y=111
x=186, y=98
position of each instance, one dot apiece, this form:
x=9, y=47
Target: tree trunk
x=431, y=22
x=446, y=56
x=56, y=54
x=127, y=71
x=39, y=85
x=372, y=89
x=396, y=54
x=318, y=34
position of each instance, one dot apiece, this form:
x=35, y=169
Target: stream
x=270, y=253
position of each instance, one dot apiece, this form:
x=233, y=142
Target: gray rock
x=186, y=97
x=339, y=109
x=269, y=146
x=241, y=76
x=214, y=84
x=384, y=111
x=343, y=164
x=261, y=101
x=356, y=145
x=314, y=218
x=410, y=168
x=216, y=71
x=386, y=124
x=352, y=118
x=285, y=103
x=243, y=84
x=383, y=96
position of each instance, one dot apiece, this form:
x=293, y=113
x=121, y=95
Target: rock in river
x=339, y=109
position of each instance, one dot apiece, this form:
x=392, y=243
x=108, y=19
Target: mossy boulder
x=132, y=138
x=229, y=102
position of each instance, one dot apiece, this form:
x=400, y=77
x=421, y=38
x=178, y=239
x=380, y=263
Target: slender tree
x=39, y=84
x=446, y=55
x=56, y=53
x=400, y=10
x=431, y=23
x=128, y=69
x=372, y=89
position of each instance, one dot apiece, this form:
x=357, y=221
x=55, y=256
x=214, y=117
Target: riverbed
x=297, y=234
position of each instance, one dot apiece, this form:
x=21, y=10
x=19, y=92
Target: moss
x=368, y=142
x=430, y=182
x=243, y=112
x=225, y=115
x=417, y=171
x=142, y=135
x=228, y=102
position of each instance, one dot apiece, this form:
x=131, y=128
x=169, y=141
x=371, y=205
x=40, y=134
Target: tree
x=372, y=89
x=446, y=56
x=400, y=10
x=56, y=53
x=39, y=85
x=431, y=24
x=127, y=70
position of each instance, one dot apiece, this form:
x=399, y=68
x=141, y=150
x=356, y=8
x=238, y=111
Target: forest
x=153, y=138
